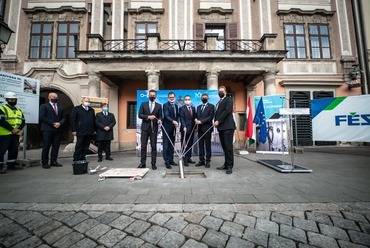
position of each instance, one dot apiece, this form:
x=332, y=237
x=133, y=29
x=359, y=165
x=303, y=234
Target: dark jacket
x=102, y=121
x=224, y=114
x=144, y=112
x=48, y=117
x=186, y=119
x=205, y=117
x=170, y=114
x=83, y=121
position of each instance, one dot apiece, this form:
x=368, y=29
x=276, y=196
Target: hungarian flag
x=249, y=127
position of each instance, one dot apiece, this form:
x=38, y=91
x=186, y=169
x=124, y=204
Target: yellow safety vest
x=13, y=117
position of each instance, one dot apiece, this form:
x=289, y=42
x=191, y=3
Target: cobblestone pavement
x=302, y=225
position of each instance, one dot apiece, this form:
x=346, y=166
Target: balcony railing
x=125, y=45
x=240, y=45
x=181, y=45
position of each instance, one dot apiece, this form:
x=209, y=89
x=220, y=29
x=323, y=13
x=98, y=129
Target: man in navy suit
x=170, y=123
x=204, y=117
x=225, y=124
x=104, y=121
x=52, y=117
x=187, y=119
x=82, y=126
x=151, y=114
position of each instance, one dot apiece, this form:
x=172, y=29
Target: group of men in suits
x=204, y=117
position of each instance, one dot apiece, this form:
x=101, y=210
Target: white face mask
x=171, y=101
x=187, y=102
x=86, y=104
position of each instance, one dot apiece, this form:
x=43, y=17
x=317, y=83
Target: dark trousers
x=9, y=143
x=189, y=140
x=145, y=135
x=168, y=149
x=226, y=138
x=104, y=145
x=51, y=138
x=82, y=146
x=205, y=142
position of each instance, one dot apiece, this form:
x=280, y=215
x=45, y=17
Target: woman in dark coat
x=105, y=121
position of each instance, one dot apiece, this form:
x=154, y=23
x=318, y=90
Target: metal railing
x=181, y=45
x=125, y=45
x=240, y=45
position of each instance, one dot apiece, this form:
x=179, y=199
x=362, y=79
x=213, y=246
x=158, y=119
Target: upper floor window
x=295, y=41
x=144, y=28
x=41, y=40
x=319, y=41
x=67, y=40
x=220, y=30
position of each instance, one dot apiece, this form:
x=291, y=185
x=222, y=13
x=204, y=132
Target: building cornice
x=297, y=11
x=215, y=10
x=141, y=10
x=62, y=9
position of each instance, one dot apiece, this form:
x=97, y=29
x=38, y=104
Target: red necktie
x=190, y=112
x=55, y=109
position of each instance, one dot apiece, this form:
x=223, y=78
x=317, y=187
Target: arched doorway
x=34, y=135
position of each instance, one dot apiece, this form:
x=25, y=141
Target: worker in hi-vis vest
x=11, y=124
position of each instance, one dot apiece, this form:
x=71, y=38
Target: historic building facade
x=112, y=48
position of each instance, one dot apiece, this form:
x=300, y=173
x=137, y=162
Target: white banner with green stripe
x=341, y=119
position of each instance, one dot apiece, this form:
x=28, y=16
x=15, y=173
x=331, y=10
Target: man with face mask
x=83, y=127
x=187, y=119
x=104, y=121
x=204, y=117
x=52, y=117
x=11, y=124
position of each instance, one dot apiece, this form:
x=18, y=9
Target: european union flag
x=260, y=121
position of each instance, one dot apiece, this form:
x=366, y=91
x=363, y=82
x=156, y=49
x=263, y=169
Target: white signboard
x=28, y=92
x=294, y=111
x=341, y=119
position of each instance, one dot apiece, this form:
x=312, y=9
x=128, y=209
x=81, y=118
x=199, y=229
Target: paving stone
x=355, y=217
x=130, y=242
x=346, y=244
x=137, y=228
x=308, y=225
x=30, y=242
x=147, y=245
x=63, y=215
x=191, y=243
x=94, y=214
x=112, y=237
x=36, y=223
x=261, y=214
x=24, y=217
x=142, y=215
x=319, y=217
x=359, y=238
x=364, y=227
x=195, y=217
x=282, y=219
x=211, y=222
x=154, y=234
x=5, y=221
x=233, y=229
x=108, y=217
x=215, y=239
x=49, y=213
x=68, y=240
x=175, y=224
x=97, y=231
x=13, y=235
x=280, y=242
x=293, y=233
x=194, y=231
x=172, y=239
x=122, y=222
x=305, y=246
x=345, y=224
x=333, y=232
x=321, y=240
x=86, y=225
x=46, y=228
x=225, y=215
x=75, y=219
x=256, y=236
x=86, y=242
x=235, y=242
x=159, y=219
x=57, y=234
x=44, y=246
x=267, y=226
x=245, y=220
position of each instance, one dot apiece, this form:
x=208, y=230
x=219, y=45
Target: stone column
x=97, y=17
x=212, y=80
x=118, y=19
x=269, y=83
x=153, y=79
x=251, y=92
x=94, y=84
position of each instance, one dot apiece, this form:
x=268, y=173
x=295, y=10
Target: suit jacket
x=48, y=117
x=102, y=121
x=186, y=119
x=144, y=112
x=224, y=114
x=170, y=114
x=206, y=116
x=83, y=121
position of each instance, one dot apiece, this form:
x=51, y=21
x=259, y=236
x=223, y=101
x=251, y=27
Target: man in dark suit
x=82, y=126
x=170, y=123
x=204, y=117
x=187, y=119
x=151, y=114
x=104, y=121
x=225, y=124
x=52, y=117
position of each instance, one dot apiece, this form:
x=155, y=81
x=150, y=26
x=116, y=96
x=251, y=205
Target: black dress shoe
x=222, y=168
x=46, y=166
x=173, y=163
x=15, y=168
x=56, y=164
x=100, y=159
x=199, y=164
x=109, y=158
x=208, y=164
x=229, y=171
x=154, y=167
x=168, y=167
x=141, y=166
x=191, y=161
x=186, y=164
